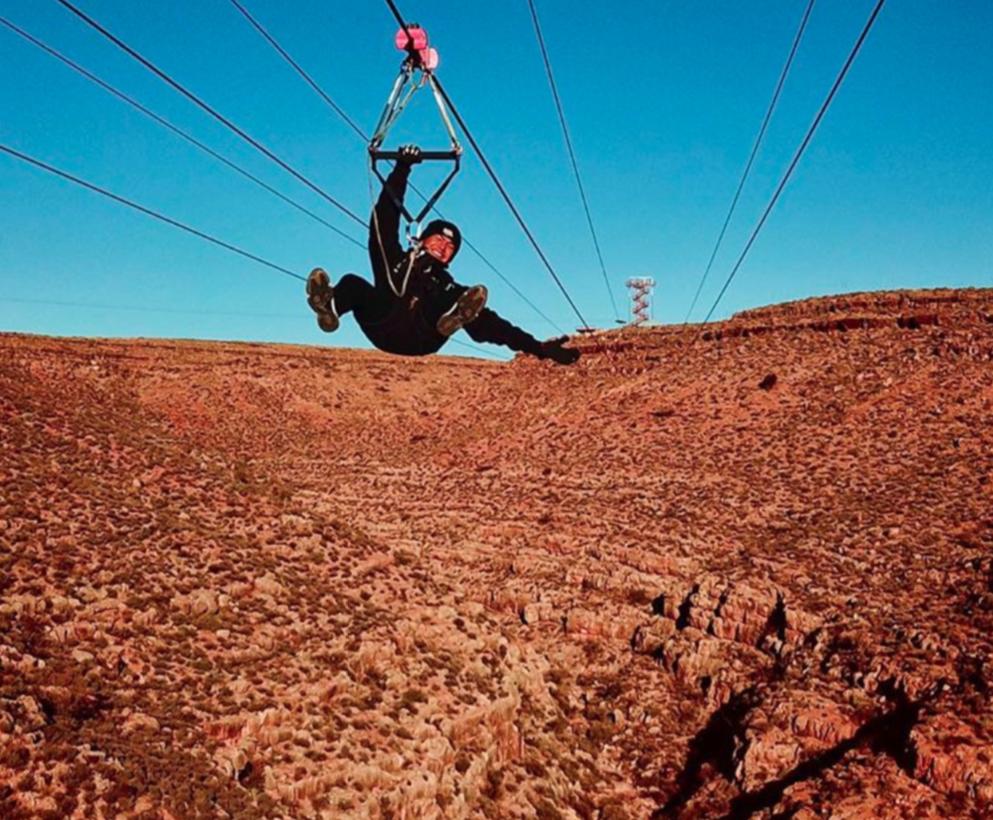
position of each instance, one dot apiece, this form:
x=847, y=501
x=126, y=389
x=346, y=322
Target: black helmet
x=445, y=228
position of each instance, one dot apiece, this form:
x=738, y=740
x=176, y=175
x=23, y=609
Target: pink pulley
x=417, y=34
x=417, y=43
x=429, y=58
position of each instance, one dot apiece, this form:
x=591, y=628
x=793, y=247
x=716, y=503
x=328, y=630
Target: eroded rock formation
x=745, y=572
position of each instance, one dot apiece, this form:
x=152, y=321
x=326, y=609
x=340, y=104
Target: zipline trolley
x=416, y=71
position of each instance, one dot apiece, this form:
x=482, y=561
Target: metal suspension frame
x=412, y=77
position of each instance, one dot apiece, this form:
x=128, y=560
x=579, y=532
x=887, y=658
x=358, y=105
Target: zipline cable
x=299, y=69
x=571, y=150
x=147, y=211
x=506, y=281
x=176, y=130
x=751, y=159
x=399, y=18
x=489, y=170
x=340, y=112
x=800, y=151
x=213, y=112
x=506, y=198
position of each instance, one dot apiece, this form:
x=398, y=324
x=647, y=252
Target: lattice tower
x=641, y=298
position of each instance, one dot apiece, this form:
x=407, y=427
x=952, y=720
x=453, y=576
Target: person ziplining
x=414, y=305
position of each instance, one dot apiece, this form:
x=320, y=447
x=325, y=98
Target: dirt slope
x=744, y=573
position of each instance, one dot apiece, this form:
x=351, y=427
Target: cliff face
x=746, y=571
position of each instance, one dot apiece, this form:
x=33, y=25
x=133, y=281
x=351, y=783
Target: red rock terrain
x=745, y=572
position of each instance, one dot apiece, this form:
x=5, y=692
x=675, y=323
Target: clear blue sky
x=663, y=100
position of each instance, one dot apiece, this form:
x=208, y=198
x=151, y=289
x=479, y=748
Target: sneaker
x=320, y=297
x=466, y=308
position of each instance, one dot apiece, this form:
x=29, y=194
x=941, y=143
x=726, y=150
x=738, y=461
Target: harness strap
x=406, y=277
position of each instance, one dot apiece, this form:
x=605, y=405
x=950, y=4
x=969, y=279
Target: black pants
x=369, y=304
x=408, y=327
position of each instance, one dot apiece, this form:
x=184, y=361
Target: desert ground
x=743, y=570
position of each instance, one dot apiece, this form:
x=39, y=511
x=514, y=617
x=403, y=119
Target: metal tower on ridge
x=641, y=298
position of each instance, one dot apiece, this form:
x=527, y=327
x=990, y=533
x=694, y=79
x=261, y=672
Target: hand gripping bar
x=428, y=155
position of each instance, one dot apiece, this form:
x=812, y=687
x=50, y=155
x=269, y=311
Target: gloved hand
x=554, y=349
x=410, y=154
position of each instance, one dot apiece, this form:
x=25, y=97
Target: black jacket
x=415, y=288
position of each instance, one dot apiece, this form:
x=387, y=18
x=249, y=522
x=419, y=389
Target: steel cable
x=800, y=151
x=508, y=200
x=399, y=18
x=572, y=152
x=299, y=69
x=147, y=211
x=751, y=159
x=213, y=112
x=176, y=130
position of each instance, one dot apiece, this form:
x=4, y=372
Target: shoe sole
x=466, y=309
x=319, y=295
